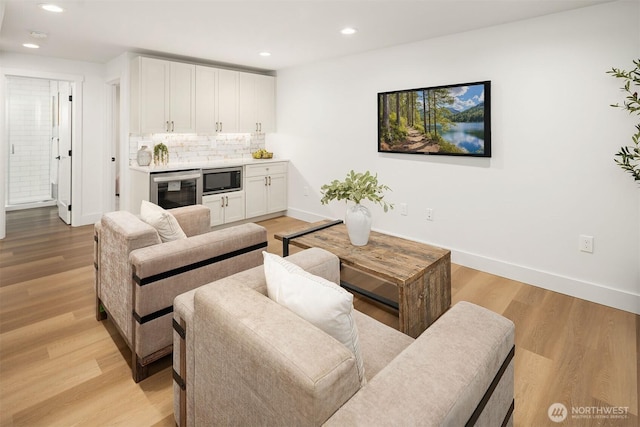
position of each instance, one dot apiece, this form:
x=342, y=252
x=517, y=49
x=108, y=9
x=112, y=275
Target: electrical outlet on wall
x=404, y=210
x=586, y=243
x=429, y=214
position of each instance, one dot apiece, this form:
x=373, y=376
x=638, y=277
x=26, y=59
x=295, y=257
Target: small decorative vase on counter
x=144, y=156
x=358, y=221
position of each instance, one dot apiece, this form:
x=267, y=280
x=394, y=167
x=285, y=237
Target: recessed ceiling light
x=348, y=31
x=51, y=7
x=265, y=53
x=38, y=34
x=31, y=45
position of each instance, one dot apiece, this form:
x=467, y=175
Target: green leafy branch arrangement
x=160, y=154
x=356, y=187
x=628, y=158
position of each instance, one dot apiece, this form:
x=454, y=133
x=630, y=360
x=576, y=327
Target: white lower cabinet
x=266, y=188
x=225, y=207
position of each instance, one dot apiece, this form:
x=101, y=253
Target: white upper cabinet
x=182, y=96
x=266, y=100
x=162, y=96
x=216, y=100
x=256, y=97
x=228, y=101
x=206, y=99
x=154, y=96
x=169, y=96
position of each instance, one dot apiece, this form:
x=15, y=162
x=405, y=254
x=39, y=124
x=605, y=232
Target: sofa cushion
x=317, y=300
x=163, y=221
x=442, y=376
x=371, y=334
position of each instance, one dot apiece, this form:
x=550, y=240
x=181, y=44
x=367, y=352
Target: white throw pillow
x=317, y=300
x=164, y=222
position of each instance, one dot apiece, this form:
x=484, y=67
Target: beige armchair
x=138, y=276
x=246, y=360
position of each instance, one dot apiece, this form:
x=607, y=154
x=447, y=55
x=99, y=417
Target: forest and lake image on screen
x=450, y=120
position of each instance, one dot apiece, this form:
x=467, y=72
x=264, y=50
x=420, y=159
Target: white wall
x=551, y=177
x=88, y=148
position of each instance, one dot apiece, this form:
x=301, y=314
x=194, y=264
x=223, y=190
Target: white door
x=64, y=151
x=114, y=187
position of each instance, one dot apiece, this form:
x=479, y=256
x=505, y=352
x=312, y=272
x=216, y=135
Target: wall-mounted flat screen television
x=441, y=120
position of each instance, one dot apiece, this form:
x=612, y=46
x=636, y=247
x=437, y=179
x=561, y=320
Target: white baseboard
x=593, y=292
x=86, y=219
x=305, y=216
x=30, y=205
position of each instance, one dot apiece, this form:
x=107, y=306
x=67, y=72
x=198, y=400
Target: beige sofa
x=138, y=276
x=245, y=360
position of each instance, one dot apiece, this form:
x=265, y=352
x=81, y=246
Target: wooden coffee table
x=421, y=273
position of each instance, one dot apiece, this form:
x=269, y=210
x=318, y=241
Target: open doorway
x=39, y=129
x=115, y=146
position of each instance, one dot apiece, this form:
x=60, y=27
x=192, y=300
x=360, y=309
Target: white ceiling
x=234, y=32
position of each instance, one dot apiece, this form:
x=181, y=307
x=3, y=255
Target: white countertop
x=172, y=167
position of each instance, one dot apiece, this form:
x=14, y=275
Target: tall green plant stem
x=628, y=158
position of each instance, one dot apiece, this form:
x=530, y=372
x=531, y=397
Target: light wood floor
x=60, y=367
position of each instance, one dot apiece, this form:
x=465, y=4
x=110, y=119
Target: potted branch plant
x=628, y=158
x=160, y=154
x=357, y=187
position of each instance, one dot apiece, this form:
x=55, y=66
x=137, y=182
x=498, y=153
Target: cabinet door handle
x=269, y=180
x=259, y=127
x=167, y=127
x=265, y=181
x=13, y=149
x=222, y=202
x=220, y=127
x=172, y=126
x=217, y=126
x=227, y=198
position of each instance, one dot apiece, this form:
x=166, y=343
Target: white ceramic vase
x=358, y=220
x=144, y=156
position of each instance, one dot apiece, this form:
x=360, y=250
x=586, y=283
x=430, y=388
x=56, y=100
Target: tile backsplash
x=29, y=130
x=192, y=148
